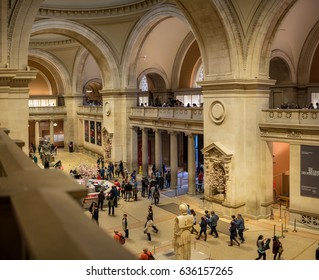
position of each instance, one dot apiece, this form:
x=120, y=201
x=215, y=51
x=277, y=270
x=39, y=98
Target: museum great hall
x=230, y=85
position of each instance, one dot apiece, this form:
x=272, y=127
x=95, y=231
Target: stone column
x=173, y=159
x=134, y=149
x=191, y=165
x=145, y=151
x=158, y=149
x=51, y=132
x=37, y=134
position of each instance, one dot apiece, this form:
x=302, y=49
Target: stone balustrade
x=184, y=113
x=41, y=217
x=49, y=110
x=90, y=110
x=291, y=116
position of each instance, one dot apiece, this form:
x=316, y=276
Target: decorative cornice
x=52, y=43
x=102, y=12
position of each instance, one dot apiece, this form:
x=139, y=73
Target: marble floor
x=300, y=245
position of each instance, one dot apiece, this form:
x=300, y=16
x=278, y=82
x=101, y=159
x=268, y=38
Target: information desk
x=94, y=186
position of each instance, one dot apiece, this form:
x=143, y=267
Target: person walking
x=240, y=227
x=156, y=195
x=203, y=228
x=125, y=225
x=101, y=198
x=111, y=203
x=261, y=247
x=194, y=223
x=150, y=214
x=95, y=212
x=146, y=255
x=148, y=227
x=213, y=224
x=233, y=233
x=277, y=248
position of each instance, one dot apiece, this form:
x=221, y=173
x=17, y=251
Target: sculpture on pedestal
x=182, y=234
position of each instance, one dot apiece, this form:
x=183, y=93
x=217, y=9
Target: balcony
x=168, y=118
x=45, y=112
x=290, y=125
x=41, y=217
x=90, y=110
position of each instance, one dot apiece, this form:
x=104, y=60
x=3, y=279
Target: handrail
x=40, y=214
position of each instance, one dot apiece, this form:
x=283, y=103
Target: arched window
x=199, y=76
x=144, y=84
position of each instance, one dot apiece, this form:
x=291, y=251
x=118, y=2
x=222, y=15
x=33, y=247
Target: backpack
x=122, y=239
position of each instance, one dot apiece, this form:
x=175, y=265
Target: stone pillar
x=173, y=159
x=191, y=165
x=51, y=132
x=37, y=133
x=145, y=151
x=134, y=149
x=158, y=149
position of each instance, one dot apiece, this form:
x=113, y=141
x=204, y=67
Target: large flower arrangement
x=87, y=171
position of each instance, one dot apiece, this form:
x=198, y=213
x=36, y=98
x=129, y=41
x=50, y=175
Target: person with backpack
x=213, y=224
x=118, y=237
x=146, y=255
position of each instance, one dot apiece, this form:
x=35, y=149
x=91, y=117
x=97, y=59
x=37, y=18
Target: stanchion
x=285, y=230
x=282, y=231
x=295, y=226
x=280, y=211
x=274, y=230
x=271, y=214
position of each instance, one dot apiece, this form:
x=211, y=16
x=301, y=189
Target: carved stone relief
x=107, y=145
x=217, y=168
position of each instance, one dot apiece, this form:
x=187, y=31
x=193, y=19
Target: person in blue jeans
x=240, y=227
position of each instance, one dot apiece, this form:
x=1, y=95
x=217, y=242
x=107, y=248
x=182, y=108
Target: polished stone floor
x=300, y=245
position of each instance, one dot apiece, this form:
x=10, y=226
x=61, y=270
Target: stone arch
x=179, y=60
x=263, y=31
x=93, y=42
x=212, y=39
x=138, y=35
x=20, y=25
x=158, y=77
x=55, y=67
x=283, y=63
x=306, y=57
x=79, y=64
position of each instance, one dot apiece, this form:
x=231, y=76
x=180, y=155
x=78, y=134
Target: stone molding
x=123, y=10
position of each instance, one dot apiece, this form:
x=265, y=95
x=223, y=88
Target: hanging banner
x=309, y=174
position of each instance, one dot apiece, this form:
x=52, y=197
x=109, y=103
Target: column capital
x=157, y=130
x=145, y=129
x=172, y=132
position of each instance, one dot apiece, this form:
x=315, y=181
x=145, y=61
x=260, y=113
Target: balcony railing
x=90, y=110
x=183, y=113
x=291, y=116
x=49, y=110
x=40, y=213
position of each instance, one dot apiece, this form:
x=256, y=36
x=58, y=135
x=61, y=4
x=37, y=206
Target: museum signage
x=309, y=171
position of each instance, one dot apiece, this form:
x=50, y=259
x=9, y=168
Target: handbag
x=280, y=250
